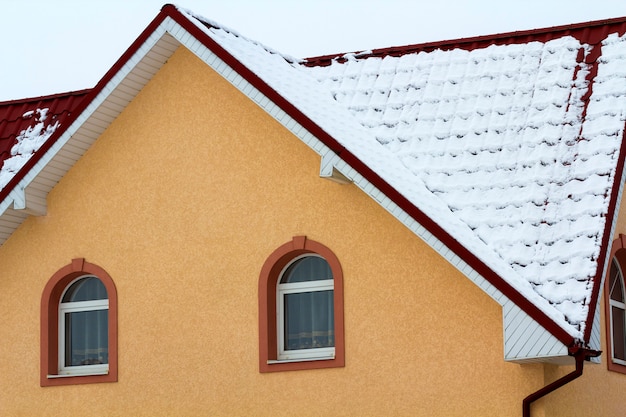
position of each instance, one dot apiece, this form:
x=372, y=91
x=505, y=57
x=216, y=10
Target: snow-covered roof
x=507, y=148
x=502, y=136
x=28, y=123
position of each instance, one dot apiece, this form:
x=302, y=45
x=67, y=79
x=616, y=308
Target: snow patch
x=27, y=143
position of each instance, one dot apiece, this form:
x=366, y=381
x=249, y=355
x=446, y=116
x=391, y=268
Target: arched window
x=84, y=328
x=301, y=308
x=79, y=326
x=617, y=313
x=306, y=327
x=615, y=307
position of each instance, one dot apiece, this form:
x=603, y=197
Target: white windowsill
x=323, y=358
x=618, y=361
x=94, y=373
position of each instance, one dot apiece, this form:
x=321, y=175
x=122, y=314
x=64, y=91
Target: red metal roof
x=15, y=116
x=588, y=32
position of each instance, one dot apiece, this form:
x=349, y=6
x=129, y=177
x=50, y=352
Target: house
x=219, y=229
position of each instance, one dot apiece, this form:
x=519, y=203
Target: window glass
x=306, y=316
x=84, y=325
x=309, y=319
x=617, y=314
x=89, y=288
x=310, y=268
x=86, y=338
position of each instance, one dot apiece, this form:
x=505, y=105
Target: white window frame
x=292, y=288
x=74, y=307
x=621, y=306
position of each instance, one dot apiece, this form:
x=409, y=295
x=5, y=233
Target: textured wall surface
x=181, y=201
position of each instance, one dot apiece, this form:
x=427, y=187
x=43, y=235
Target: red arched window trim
x=268, y=280
x=618, y=252
x=50, y=317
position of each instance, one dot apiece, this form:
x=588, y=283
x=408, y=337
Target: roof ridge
x=586, y=32
x=45, y=97
x=212, y=24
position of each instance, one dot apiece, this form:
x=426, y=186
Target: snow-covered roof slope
x=26, y=124
x=27, y=142
x=502, y=137
x=511, y=148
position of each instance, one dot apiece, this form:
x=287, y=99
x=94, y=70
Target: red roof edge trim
x=45, y=98
x=589, y=32
x=606, y=240
x=91, y=95
x=479, y=266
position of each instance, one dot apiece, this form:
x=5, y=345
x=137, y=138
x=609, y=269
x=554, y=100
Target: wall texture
x=181, y=201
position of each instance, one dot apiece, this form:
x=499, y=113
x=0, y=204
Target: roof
x=520, y=142
x=505, y=148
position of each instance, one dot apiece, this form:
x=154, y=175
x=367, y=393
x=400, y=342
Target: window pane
x=309, y=320
x=616, y=283
x=617, y=315
x=310, y=268
x=87, y=338
x=89, y=288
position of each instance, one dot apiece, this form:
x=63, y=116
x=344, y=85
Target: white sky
x=53, y=46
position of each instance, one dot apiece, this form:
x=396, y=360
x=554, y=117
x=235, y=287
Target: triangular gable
x=287, y=90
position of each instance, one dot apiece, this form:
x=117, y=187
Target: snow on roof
x=28, y=141
x=26, y=124
x=495, y=133
x=496, y=144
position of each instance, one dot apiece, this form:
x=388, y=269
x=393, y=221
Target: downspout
x=579, y=353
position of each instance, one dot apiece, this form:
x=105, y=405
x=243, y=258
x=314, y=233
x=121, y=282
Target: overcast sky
x=53, y=46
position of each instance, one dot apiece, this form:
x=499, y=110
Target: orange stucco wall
x=598, y=392
x=181, y=201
